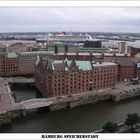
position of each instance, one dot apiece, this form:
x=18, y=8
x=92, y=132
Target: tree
x=55, y=49
x=66, y=48
x=110, y=127
x=132, y=120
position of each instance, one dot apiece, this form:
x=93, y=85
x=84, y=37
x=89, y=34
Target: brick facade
x=24, y=64
x=61, y=80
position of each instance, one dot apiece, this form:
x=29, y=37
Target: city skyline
x=95, y=19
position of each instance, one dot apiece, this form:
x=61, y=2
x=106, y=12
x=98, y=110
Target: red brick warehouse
x=66, y=77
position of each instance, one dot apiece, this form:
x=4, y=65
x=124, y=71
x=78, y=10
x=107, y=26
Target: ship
x=65, y=38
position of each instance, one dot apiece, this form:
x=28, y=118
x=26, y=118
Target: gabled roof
x=50, y=65
x=37, y=60
x=82, y=65
x=67, y=63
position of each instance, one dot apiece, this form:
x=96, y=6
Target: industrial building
x=67, y=77
x=135, y=50
x=24, y=63
x=12, y=63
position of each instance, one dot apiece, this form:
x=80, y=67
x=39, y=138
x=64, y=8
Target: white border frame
x=68, y=3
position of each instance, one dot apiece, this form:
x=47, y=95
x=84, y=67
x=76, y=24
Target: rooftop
x=121, y=60
x=93, y=50
x=104, y=64
x=137, y=55
x=137, y=47
x=83, y=65
x=63, y=65
x=36, y=53
x=12, y=55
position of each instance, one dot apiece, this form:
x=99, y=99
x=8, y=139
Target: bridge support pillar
x=24, y=113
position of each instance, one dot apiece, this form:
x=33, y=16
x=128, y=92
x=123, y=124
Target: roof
x=104, y=64
x=86, y=48
x=36, y=53
x=50, y=65
x=93, y=50
x=84, y=65
x=123, y=61
x=126, y=63
x=137, y=55
x=37, y=60
x=65, y=65
x=136, y=47
x=12, y=55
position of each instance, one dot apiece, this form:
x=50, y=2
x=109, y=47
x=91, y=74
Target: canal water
x=87, y=118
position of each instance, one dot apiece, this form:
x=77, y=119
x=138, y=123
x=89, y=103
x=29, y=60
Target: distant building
x=126, y=69
x=23, y=63
x=17, y=47
x=67, y=77
x=138, y=66
x=93, y=44
x=93, y=50
x=123, y=48
x=8, y=64
x=126, y=66
x=135, y=50
x=2, y=48
x=2, y=65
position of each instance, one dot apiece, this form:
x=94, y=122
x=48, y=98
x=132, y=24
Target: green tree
x=110, y=127
x=66, y=48
x=56, y=49
x=132, y=119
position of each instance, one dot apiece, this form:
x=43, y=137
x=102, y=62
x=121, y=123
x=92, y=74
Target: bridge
x=35, y=103
x=23, y=80
x=28, y=104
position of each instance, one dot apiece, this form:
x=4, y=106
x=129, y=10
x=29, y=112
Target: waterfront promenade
x=5, y=95
x=121, y=91
x=123, y=128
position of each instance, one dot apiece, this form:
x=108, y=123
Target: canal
x=87, y=118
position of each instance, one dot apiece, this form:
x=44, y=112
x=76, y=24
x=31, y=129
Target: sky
x=84, y=19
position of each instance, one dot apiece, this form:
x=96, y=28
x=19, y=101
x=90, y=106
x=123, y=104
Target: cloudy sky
x=94, y=19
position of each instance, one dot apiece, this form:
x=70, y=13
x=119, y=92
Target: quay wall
x=79, y=100
x=59, y=106
x=89, y=100
x=109, y=95
x=118, y=97
x=5, y=120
